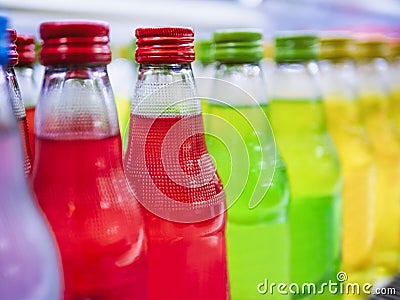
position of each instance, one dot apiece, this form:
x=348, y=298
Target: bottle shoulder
x=239, y=85
x=295, y=81
x=76, y=101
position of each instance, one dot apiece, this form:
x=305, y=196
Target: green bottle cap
x=204, y=51
x=238, y=45
x=296, y=47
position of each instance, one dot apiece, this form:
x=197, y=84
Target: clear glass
x=298, y=120
x=79, y=180
x=19, y=113
x=171, y=172
x=246, y=159
x=28, y=84
x=29, y=266
x=30, y=93
x=375, y=105
x=343, y=114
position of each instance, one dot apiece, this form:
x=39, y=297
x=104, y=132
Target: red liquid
x=26, y=149
x=186, y=260
x=98, y=224
x=30, y=118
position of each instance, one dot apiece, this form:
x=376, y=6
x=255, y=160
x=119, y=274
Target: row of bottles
x=153, y=223
x=346, y=91
x=374, y=102
x=292, y=233
x=110, y=245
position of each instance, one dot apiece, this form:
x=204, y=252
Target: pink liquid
x=97, y=221
x=30, y=118
x=26, y=149
x=186, y=260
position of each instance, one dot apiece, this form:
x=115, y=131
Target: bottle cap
x=238, y=45
x=394, y=47
x=371, y=48
x=205, y=51
x=4, y=41
x=26, y=50
x=12, y=47
x=164, y=45
x=336, y=47
x=75, y=42
x=296, y=47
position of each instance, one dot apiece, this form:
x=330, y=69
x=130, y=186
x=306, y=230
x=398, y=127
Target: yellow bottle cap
x=394, y=48
x=334, y=48
x=372, y=47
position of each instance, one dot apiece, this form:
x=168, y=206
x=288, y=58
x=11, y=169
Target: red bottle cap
x=75, y=42
x=12, y=48
x=164, y=45
x=26, y=50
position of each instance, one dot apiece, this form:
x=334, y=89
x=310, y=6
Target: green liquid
x=313, y=170
x=124, y=114
x=258, y=240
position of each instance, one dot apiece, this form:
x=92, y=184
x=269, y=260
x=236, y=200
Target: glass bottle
x=171, y=172
x=78, y=174
x=372, y=71
x=253, y=174
x=298, y=121
x=17, y=102
x=29, y=87
x=339, y=81
x=29, y=266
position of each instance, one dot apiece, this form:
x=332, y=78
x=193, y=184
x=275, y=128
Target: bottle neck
x=76, y=102
x=295, y=81
x=165, y=90
x=7, y=119
x=10, y=144
x=242, y=85
x=373, y=76
x=28, y=85
x=15, y=93
x=339, y=80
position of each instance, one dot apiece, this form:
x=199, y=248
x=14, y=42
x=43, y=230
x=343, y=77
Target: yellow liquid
x=358, y=171
x=387, y=189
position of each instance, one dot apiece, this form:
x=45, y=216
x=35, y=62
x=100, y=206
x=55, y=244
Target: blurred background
x=207, y=15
